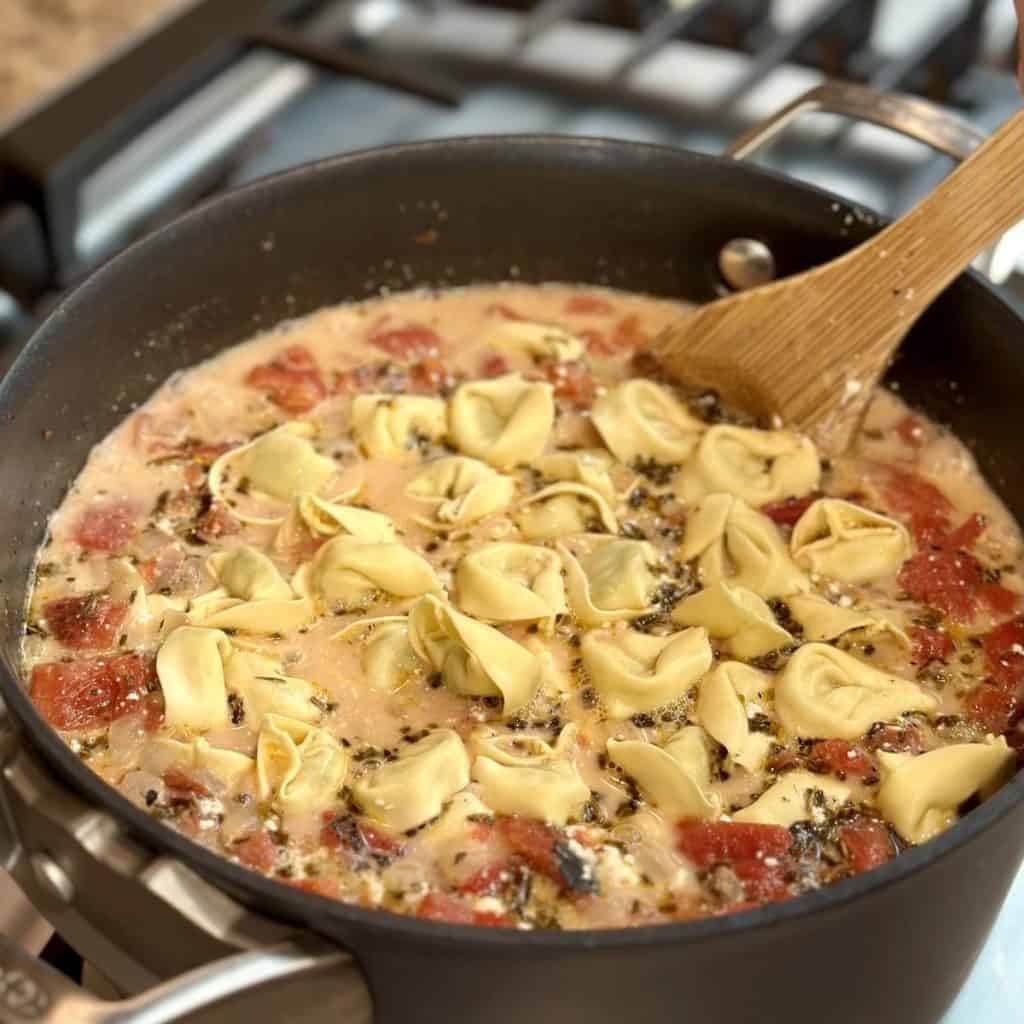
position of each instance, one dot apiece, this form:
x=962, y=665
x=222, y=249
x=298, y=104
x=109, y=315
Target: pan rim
x=334, y=918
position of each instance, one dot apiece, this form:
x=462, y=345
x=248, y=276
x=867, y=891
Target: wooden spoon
x=812, y=347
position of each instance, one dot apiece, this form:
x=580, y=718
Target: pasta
x=613, y=581
x=462, y=490
x=563, y=509
x=388, y=426
x=553, y=792
x=737, y=616
x=727, y=699
x=511, y=583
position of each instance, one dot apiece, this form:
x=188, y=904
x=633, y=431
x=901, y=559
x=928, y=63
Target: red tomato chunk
x=707, y=843
x=87, y=694
x=789, y=510
x=411, y=342
x=928, y=512
x=438, y=906
x=993, y=708
x=867, y=845
x=291, y=380
x=589, y=305
x=256, y=851
x=572, y=382
x=108, y=526
x=87, y=622
x=534, y=842
x=930, y=644
x=841, y=759
x=895, y=739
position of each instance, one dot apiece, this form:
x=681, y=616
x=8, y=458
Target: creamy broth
x=248, y=644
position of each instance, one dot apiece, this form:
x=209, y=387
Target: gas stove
x=230, y=90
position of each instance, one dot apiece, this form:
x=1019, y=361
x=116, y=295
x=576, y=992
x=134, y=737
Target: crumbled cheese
x=373, y=888
x=615, y=869
x=489, y=905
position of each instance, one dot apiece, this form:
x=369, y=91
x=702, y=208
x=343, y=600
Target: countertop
x=45, y=43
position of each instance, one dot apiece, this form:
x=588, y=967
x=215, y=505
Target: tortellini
x=848, y=542
x=641, y=419
x=411, y=790
x=505, y=421
x=587, y=466
x=822, y=620
x=824, y=692
x=634, y=672
x=299, y=767
x=797, y=796
x=563, y=509
x=319, y=518
x=511, y=583
x=612, y=581
x=727, y=699
x=190, y=667
x=758, y=466
x=389, y=426
x=253, y=596
x=348, y=574
x=736, y=616
x=541, y=341
x=262, y=689
x=675, y=778
x=280, y=464
x=553, y=792
x=387, y=658
x=473, y=659
x=520, y=749
x=919, y=795
x=232, y=767
x=737, y=545
x=462, y=490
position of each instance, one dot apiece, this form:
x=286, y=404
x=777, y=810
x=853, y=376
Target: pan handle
x=31, y=990
x=916, y=118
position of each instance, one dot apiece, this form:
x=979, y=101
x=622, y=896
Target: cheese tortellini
x=280, y=464
x=411, y=790
x=473, y=659
x=735, y=544
x=920, y=794
x=553, y=792
x=190, y=667
x=462, y=490
x=759, y=466
x=675, y=778
x=736, y=616
x=588, y=466
x=260, y=688
x=298, y=766
x=541, y=341
x=634, y=672
x=824, y=692
x=511, y=583
x=822, y=620
x=797, y=796
x=614, y=580
x=317, y=518
x=505, y=421
x=231, y=767
x=848, y=542
x=520, y=749
x=726, y=701
x=348, y=574
x=389, y=426
x=387, y=658
x=563, y=509
x=641, y=419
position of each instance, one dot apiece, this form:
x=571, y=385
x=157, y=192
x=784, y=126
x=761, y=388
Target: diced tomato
x=894, y=739
x=351, y=382
x=966, y=533
x=993, y=708
x=326, y=887
x=927, y=511
x=256, y=851
x=930, y=645
x=179, y=779
x=998, y=599
x=841, y=759
x=911, y=431
x=789, y=510
x=217, y=521
x=291, y=380
x=151, y=706
x=85, y=622
x=1004, y=654
x=534, y=842
x=487, y=919
x=408, y=343
x=493, y=365
x=628, y=333
x=596, y=342
x=86, y=694
x=438, y=906
x=164, y=568
x=429, y=375
x=505, y=312
x=707, y=843
x=380, y=842
x=108, y=525
x=763, y=881
x=588, y=305
x=488, y=879
x=572, y=382
x=358, y=837
x=946, y=580
x=867, y=845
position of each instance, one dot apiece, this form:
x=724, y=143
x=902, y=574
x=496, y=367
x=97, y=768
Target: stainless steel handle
x=916, y=118
x=31, y=990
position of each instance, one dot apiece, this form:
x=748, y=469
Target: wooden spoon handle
x=978, y=202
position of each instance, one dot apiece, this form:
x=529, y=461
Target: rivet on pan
x=52, y=878
x=746, y=263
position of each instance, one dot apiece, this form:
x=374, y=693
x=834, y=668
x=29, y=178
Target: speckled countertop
x=44, y=43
